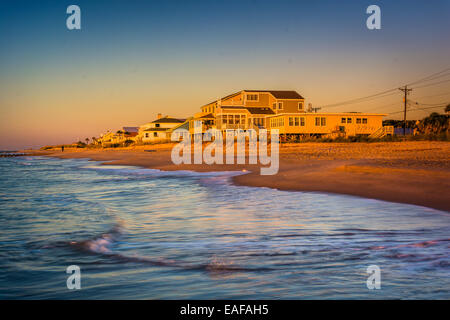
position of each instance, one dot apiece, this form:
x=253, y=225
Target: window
x=343, y=120
x=155, y=134
x=156, y=125
x=274, y=106
x=364, y=120
x=280, y=105
x=296, y=121
x=279, y=122
x=291, y=121
x=146, y=134
x=358, y=120
x=258, y=122
x=302, y=121
x=321, y=121
x=300, y=106
x=349, y=120
x=252, y=97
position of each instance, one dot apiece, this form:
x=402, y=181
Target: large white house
x=159, y=129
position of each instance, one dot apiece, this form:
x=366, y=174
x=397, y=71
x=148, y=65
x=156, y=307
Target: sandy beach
x=416, y=172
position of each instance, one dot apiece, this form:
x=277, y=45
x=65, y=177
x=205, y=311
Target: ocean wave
x=103, y=245
x=133, y=170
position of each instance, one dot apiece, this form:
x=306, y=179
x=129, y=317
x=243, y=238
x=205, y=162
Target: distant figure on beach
x=62, y=148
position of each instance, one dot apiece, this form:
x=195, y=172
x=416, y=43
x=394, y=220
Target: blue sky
x=148, y=56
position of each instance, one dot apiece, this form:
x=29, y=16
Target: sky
x=134, y=59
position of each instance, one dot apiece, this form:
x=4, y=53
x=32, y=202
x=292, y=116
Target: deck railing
x=382, y=132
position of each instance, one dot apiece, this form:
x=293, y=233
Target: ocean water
x=146, y=234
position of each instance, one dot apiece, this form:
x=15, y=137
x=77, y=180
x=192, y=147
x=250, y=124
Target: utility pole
x=406, y=91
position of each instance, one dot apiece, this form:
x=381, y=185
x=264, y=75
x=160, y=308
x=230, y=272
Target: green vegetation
x=443, y=136
x=399, y=123
x=434, y=124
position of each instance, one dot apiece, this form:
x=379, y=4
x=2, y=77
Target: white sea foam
x=159, y=173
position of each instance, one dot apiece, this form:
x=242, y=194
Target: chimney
x=159, y=116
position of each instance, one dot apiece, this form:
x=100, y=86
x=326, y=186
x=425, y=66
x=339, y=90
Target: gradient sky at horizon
x=134, y=59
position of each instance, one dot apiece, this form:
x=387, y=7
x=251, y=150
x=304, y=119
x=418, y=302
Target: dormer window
x=252, y=97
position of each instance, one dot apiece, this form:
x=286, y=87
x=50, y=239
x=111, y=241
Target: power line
x=432, y=84
x=435, y=95
x=362, y=99
x=390, y=92
x=432, y=104
x=401, y=111
x=428, y=108
x=382, y=107
x=431, y=77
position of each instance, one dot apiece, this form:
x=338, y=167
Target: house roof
x=255, y=110
x=278, y=94
x=157, y=129
x=252, y=110
x=131, y=129
x=184, y=125
x=206, y=116
x=167, y=120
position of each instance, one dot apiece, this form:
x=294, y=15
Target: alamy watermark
x=374, y=280
x=74, y=280
x=373, y=22
x=214, y=152
x=73, y=21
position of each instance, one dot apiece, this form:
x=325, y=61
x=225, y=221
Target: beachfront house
x=341, y=124
x=285, y=110
x=121, y=136
x=248, y=109
x=105, y=139
x=130, y=132
x=125, y=134
x=158, y=130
